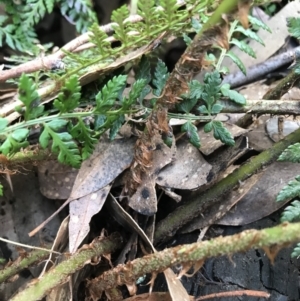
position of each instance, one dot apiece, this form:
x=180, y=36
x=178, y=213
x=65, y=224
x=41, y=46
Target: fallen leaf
x=81, y=212
x=56, y=179
x=189, y=170
x=260, y=201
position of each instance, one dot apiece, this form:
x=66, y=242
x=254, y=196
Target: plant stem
x=193, y=208
x=62, y=271
x=195, y=253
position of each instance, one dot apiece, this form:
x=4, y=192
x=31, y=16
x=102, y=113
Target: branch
x=60, y=274
x=193, y=208
x=196, y=253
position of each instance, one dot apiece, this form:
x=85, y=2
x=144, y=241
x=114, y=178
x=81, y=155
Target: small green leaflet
x=216, y=109
x=237, y=61
x=143, y=70
x=68, y=98
x=291, y=154
x=20, y=134
x=62, y=144
x=291, y=213
x=29, y=96
x=250, y=34
x=105, y=99
x=220, y=132
x=289, y=191
x=192, y=133
x=11, y=146
x=99, y=38
x=186, y=105
x=233, y=95
x=244, y=47
x=296, y=251
x=256, y=22
x=82, y=133
x=134, y=93
x=115, y=127
x=196, y=89
x=161, y=76
x=294, y=27
x=187, y=39
x=1, y=190
x=3, y=123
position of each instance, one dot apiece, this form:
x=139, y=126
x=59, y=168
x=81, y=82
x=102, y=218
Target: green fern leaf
x=250, y=34
x=169, y=11
x=147, y=10
x=220, y=132
x=256, y=22
x=29, y=96
x=291, y=213
x=196, y=89
x=289, y=191
x=237, y=61
x=134, y=93
x=80, y=12
x=291, y=154
x=116, y=127
x=294, y=27
x=15, y=142
x=211, y=92
x=244, y=47
x=216, y=109
x=68, y=99
x=233, y=95
x=105, y=99
x=62, y=144
x=82, y=133
x=296, y=251
x=118, y=16
x=3, y=123
x=144, y=70
x=161, y=76
x=186, y=105
x=99, y=38
x=192, y=133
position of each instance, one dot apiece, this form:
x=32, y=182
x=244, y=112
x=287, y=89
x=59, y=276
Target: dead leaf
x=260, y=201
x=189, y=170
x=213, y=213
x=108, y=160
x=81, y=212
x=56, y=180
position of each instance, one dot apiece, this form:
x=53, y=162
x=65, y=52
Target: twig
x=24, y=262
x=193, y=208
x=257, y=71
x=62, y=272
x=194, y=253
x=250, y=293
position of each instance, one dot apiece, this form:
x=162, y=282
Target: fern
x=292, y=212
x=290, y=191
x=291, y=154
x=161, y=75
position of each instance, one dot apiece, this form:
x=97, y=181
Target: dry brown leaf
x=81, y=212
x=189, y=170
x=56, y=180
x=108, y=160
x=260, y=201
x=212, y=214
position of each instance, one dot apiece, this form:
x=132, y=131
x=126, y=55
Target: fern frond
x=291, y=213
x=290, y=191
